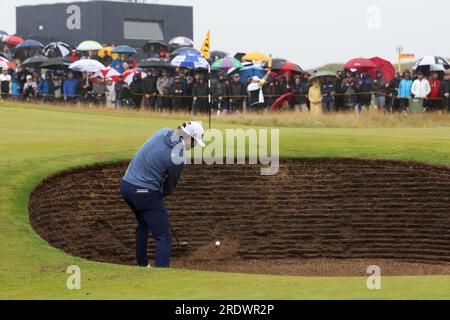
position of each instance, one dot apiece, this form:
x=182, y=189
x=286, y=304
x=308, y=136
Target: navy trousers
x=151, y=214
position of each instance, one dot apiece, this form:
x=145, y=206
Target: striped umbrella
x=56, y=49
x=432, y=63
x=190, y=61
x=6, y=64
x=106, y=74
x=227, y=64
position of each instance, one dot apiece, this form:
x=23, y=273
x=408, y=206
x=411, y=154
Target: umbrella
x=181, y=42
x=155, y=46
x=289, y=67
x=56, y=49
x=286, y=97
x=87, y=65
x=34, y=62
x=255, y=56
x=124, y=50
x=128, y=75
x=360, y=63
x=190, y=61
x=322, y=74
x=227, y=64
x=184, y=51
x=89, y=46
x=250, y=71
x=239, y=56
x=219, y=54
x=431, y=63
x=154, y=63
x=29, y=44
x=278, y=63
x=106, y=74
x=3, y=32
x=58, y=63
x=12, y=41
x=386, y=68
x=6, y=64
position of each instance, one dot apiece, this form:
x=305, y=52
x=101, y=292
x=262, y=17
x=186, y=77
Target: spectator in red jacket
x=434, y=98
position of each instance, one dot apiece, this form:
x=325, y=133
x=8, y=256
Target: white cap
x=256, y=78
x=195, y=130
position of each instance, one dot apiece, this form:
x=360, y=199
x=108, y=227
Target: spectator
x=237, y=93
x=30, y=88
x=70, y=88
x=149, y=90
x=300, y=89
x=119, y=87
x=392, y=91
x=349, y=88
x=380, y=87
x=365, y=87
x=315, y=98
x=5, y=84
x=200, y=93
x=189, y=87
x=255, y=91
x=163, y=86
x=434, y=98
x=107, y=59
x=178, y=91
x=57, y=84
x=219, y=92
x=73, y=56
x=421, y=87
x=328, y=92
x=17, y=86
x=46, y=88
x=117, y=64
x=445, y=92
x=99, y=90
x=136, y=91
x=404, y=91
x=110, y=93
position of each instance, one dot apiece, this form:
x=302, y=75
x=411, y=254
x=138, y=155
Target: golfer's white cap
x=195, y=130
x=256, y=78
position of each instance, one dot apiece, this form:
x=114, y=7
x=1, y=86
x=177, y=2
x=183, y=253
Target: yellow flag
x=206, y=46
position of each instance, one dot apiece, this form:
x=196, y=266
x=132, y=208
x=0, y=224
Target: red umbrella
x=385, y=67
x=360, y=63
x=13, y=41
x=290, y=67
x=288, y=96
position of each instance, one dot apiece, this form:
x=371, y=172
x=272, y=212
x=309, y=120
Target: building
x=104, y=21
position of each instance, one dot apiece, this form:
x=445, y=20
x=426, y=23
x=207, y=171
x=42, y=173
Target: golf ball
x=217, y=243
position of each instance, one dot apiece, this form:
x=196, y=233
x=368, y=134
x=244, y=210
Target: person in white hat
x=255, y=90
x=151, y=176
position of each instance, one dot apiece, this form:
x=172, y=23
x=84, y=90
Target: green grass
x=36, y=142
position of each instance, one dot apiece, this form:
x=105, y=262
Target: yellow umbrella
x=109, y=49
x=255, y=56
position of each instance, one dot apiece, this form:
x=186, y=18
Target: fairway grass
x=36, y=142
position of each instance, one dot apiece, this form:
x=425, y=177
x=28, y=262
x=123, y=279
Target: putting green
x=37, y=142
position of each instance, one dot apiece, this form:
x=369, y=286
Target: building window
x=143, y=30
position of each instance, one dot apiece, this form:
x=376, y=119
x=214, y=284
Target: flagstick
x=209, y=94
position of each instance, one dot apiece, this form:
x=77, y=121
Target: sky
x=310, y=33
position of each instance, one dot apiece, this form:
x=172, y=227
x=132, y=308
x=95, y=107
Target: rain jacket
x=421, y=88
x=70, y=88
x=379, y=86
x=435, y=89
x=47, y=87
x=158, y=164
x=315, y=98
x=404, y=89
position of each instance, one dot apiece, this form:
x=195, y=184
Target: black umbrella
x=278, y=63
x=239, y=55
x=155, y=46
x=219, y=54
x=33, y=62
x=57, y=64
x=154, y=63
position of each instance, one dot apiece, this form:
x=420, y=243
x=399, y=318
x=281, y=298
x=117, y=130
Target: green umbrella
x=322, y=74
x=227, y=64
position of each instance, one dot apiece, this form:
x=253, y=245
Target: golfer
x=153, y=175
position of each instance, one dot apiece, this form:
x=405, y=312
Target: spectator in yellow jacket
x=315, y=97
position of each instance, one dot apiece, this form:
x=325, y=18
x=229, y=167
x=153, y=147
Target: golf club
x=180, y=244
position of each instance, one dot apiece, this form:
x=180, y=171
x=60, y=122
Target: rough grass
x=39, y=141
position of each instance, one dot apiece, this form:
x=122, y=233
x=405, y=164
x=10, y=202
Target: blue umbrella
x=124, y=50
x=30, y=44
x=250, y=71
x=190, y=61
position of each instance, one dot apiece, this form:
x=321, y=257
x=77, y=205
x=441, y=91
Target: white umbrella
x=87, y=65
x=89, y=46
x=182, y=42
x=435, y=63
x=6, y=64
